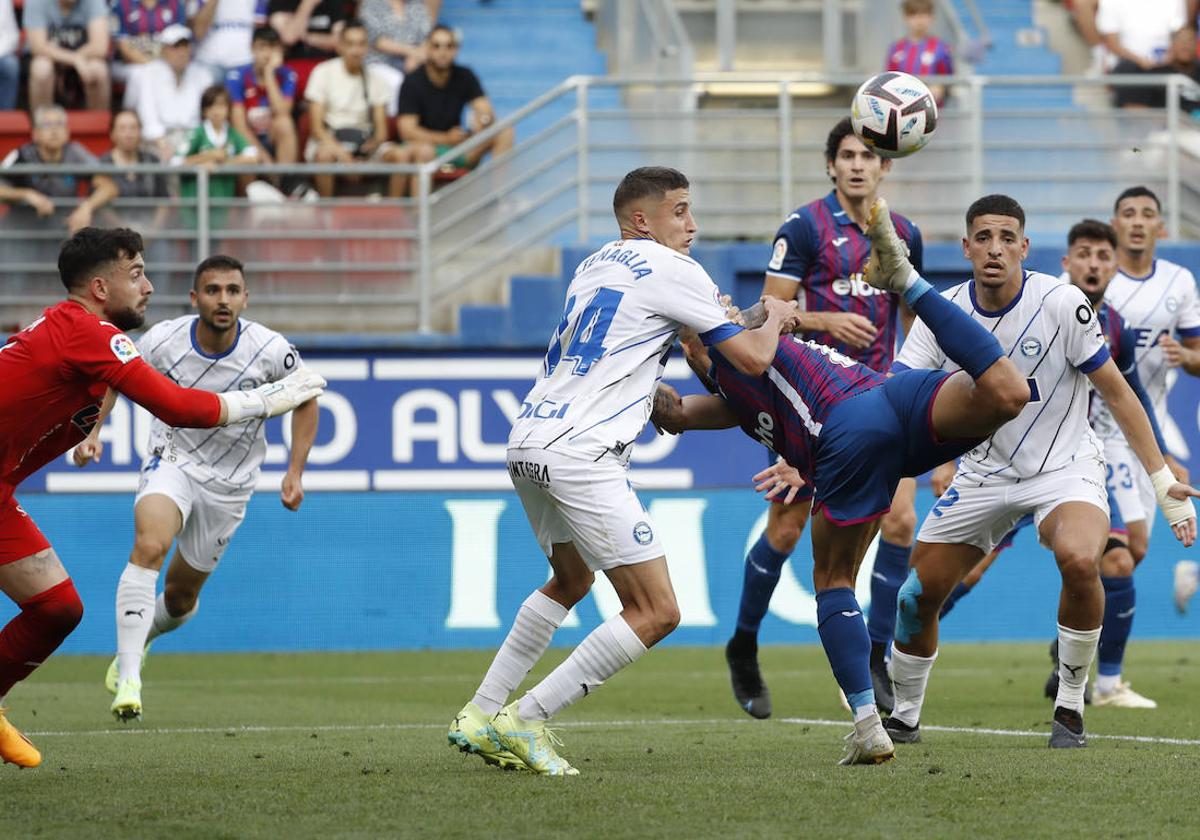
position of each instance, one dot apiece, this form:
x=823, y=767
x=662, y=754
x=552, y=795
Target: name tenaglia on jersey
x=621, y=256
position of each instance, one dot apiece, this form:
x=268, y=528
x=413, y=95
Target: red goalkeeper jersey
x=53, y=376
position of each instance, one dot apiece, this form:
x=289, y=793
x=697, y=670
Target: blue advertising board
x=424, y=544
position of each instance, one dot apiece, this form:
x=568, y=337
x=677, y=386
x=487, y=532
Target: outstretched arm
x=1173, y=497
x=696, y=411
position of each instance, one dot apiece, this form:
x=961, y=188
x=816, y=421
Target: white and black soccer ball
x=894, y=114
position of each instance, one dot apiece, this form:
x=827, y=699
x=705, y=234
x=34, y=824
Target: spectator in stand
x=349, y=118
x=127, y=150
x=309, y=31
x=169, y=101
x=262, y=93
x=397, y=30
x=431, y=105
x=138, y=27
x=33, y=196
x=224, y=30
x=1083, y=15
x=68, y=36
x=213, y=143
x=1181, y=59
x=1138, y=35
x=919, y=53
x=10, y=64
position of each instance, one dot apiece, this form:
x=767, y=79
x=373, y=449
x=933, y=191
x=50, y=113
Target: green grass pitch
x=354, y=745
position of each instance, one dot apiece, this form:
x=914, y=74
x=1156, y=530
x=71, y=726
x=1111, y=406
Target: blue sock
x=763, y=565
x=953, y=598
x=847, y=645
x=1119, y=601
x=966, y=342
x=891, y=568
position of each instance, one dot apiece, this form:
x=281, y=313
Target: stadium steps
x=499, y=38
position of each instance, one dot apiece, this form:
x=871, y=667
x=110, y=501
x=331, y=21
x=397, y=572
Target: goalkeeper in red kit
x=55, y=375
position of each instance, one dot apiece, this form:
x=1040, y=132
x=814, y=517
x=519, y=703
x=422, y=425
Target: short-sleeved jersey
x=787, y=406
x=1050, y=332
x=927, y=57
x=55, y=372
x=824, y=250
x=141, y=25
x=227, y=458
x=245, y=90
x=1164, y=302
x=625, y=305
x=438, y=108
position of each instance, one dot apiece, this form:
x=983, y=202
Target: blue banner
x=399, y=570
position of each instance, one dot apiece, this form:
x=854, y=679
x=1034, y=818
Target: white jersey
x=624, y=308
x=226, y=458
x=1052, y=335
x=1164, y=302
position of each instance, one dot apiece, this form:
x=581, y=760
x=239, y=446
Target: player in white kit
x=1158, y=301
x=1046, y=462
x=195, y=483
x=568, y=458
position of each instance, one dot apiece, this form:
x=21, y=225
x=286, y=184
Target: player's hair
x=1137, y=192
x=266, y=34
x=840, y=131
x=131, y=112
x=917, y=7
x=441, y=27
x=1093, y=230
x=218, y=262
x=211, y=94
x=92, y=250
x=353, y=23
x=647, y=182
x=995, y=205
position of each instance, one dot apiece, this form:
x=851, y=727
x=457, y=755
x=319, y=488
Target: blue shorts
x=875, y=438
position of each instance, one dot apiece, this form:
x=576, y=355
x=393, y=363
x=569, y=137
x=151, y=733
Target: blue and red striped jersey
x=823, y=249
x=927, y=57
x=787, y=406
x=142, y=23
x=245, y=90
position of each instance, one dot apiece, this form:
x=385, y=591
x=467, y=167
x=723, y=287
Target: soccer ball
x=894, y=114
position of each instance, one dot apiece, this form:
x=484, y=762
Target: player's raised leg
x=542, y=613
x=764, y=564
x=1075, y=531
x=49, y=610
x=157, y=520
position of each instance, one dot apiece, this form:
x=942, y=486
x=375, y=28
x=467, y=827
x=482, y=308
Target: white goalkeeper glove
x=274, y=398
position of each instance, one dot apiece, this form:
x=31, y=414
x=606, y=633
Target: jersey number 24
x=587, y=332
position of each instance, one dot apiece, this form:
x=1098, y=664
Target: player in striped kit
x=195, y=483
x=817, y=260
x=1158, y=299
x=568, y=456
x=851, y=433
x=1046, y=462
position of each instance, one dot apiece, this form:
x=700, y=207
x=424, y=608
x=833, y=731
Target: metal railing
x=401, y=265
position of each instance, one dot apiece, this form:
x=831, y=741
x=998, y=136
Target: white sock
x=910, y=675
x=524, y=645
x=1107, y=683
x=164, y=622
x=606, y=650
x=1076, y=648
x=135, y=614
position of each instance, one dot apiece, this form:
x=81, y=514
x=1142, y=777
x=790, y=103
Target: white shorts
x=590, y=504
x=981, y=516
x=210, y=519
x=1129, y=485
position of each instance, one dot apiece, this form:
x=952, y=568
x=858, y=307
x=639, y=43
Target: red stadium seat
x=90, y=129
x=15, y=130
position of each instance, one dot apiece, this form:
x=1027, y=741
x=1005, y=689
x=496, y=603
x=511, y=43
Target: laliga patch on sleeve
x=123, y=348
x=777, y=254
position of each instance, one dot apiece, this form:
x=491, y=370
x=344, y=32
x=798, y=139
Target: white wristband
x=242, y=405
x=1175, y=510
